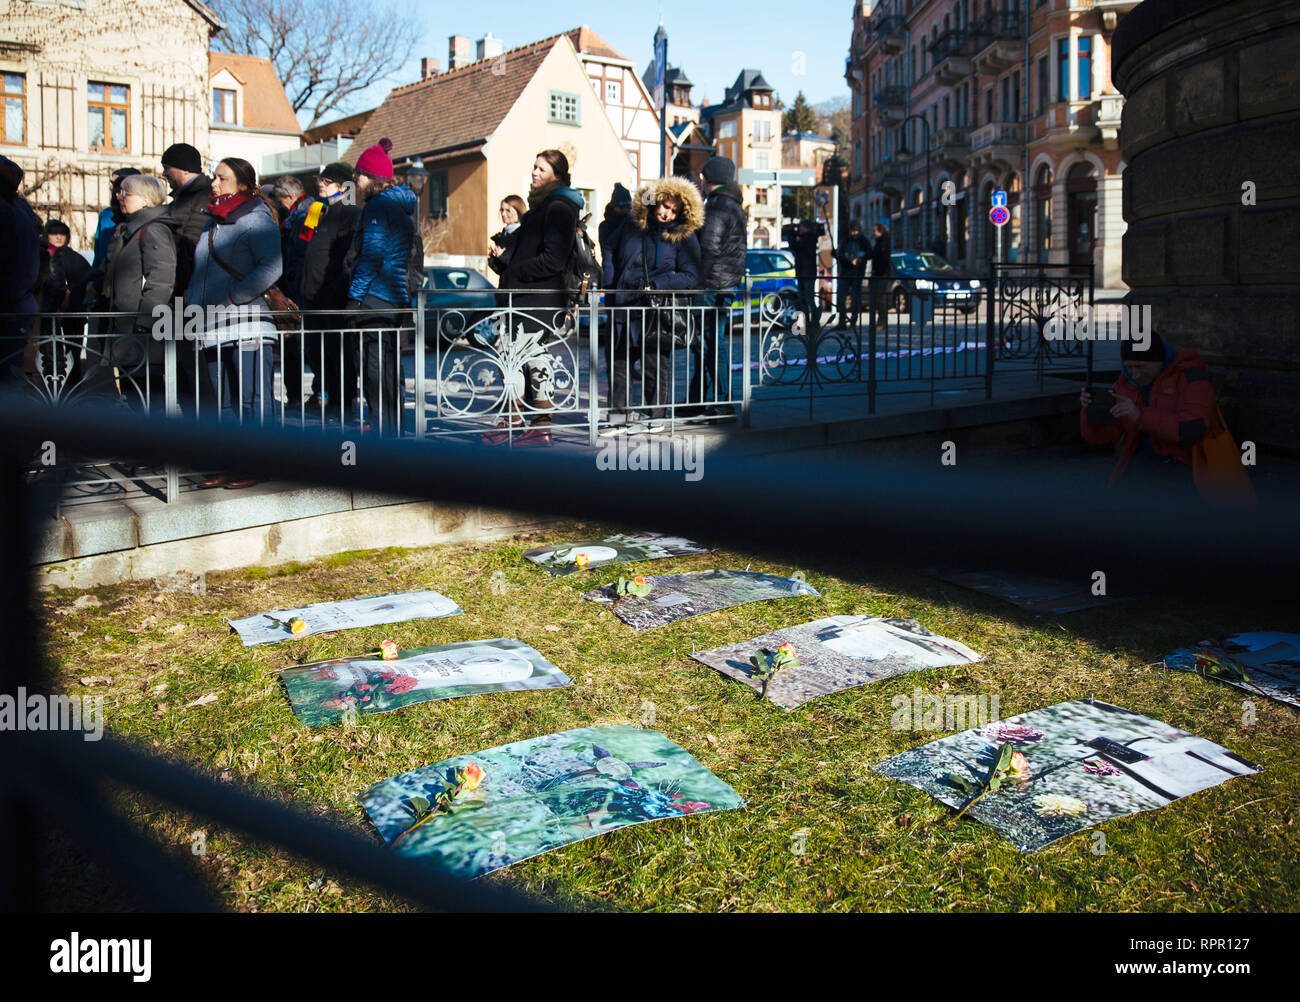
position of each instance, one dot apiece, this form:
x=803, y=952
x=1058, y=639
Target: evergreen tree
x=800, y=117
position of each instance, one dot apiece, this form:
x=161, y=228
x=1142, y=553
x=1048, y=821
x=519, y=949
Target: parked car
x=929, y=274
x=772, y=274
x=457, y=304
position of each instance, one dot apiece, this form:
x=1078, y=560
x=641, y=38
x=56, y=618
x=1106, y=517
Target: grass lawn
x=869, y=843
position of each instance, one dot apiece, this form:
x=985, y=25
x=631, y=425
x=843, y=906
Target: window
x=1044, y=84
x=763, y=131
x=988, y=105
x=1062, y=69
x=1015, y=96
x=1005, y=86
x=946, y=108
x=762, y=101
x=563, y=108
x=437, y=189
x=760, y=196
x=613, y=92
x=15, y=97
x=761, y=161
x=727, y=130
x=588, y=199
x=223, y=107
x=1085, y=67
x=110, y=111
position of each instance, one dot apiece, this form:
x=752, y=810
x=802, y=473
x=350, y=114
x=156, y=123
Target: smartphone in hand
x=1099, y=415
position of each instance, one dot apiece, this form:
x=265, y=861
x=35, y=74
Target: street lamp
x=903, y=153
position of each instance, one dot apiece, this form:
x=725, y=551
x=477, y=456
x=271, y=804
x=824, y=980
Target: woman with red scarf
x=236, y=260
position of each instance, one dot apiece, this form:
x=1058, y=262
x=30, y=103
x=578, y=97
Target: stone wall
x=1212, y=118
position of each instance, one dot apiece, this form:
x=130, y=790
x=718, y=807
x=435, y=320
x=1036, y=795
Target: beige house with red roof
x=477, y=129
x=251, y=115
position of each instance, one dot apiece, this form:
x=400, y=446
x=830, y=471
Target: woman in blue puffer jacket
x=381, y=251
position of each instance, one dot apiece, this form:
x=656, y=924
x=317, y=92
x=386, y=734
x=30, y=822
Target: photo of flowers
x=1043, y=775
x=1039, y=595
x=621, y=548
x=325, y=617
x=681, y=596
x=1264, y=663
x=322, y=693
x=473, y=814
x=837, y=653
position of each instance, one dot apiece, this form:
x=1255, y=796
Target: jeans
x=242, y=375
x=710, y=352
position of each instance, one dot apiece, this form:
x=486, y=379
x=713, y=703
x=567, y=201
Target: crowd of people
x=671, y=260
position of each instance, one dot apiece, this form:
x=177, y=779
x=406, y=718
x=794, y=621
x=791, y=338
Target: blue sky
x=712, y=40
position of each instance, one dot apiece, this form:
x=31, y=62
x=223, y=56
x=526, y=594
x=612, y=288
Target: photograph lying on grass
x=836, y=653
x=322, y=693
x=472, y=814
x=671, y=597
x=621, y=548
x=325, y=617
x=1263, y=663
x=1043, y=775
x=1039, y=595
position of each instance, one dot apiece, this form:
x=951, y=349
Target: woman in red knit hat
x=381, y=252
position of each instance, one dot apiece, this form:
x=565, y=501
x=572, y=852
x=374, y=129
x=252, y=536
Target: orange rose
x=389, y=650
x=787, y=649
x=639, y=579
x=472, y=775
x=1019, y=764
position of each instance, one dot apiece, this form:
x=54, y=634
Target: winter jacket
x=292, y=249
x=1175, y=412
x=248, y=240
x=187, y=207
x=804, y=247
x=323, y=280
x=103, y=237
x=381, y=248
x=65, y=289
x=20, y=266
x=882, y=264
x=543, y=246
x=671, y=254
x=855, y=247
x=139, y=275
x=505, y=239
x=723, y=238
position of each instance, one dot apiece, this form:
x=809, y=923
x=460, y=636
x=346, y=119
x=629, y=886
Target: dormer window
x=223, y=107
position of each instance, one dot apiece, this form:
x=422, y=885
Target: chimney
x=458, y=52
x=489, y=47
x=428, y=68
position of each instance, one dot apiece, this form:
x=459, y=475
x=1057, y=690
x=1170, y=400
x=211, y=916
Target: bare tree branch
x=321, y=55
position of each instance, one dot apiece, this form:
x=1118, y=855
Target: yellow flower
x=582, y=560
x=297, y=626
x=1055, y=805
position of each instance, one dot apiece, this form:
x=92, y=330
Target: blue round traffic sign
x=998, y=215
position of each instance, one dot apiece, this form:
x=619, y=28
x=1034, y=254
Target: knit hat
x=11, y=175
x=338, y=172
x=1153, y=352
x=375, y=161
x=184, y=157
x=621, y=195
x=719, y=170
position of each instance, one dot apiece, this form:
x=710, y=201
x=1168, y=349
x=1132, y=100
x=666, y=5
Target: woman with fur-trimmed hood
x=657, y=249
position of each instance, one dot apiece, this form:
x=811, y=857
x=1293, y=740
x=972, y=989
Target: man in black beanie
x=723, y=240
x=1162, y=406
x=191, y=189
